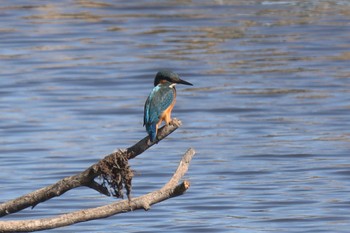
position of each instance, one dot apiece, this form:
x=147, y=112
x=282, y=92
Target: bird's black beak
x=184, y=82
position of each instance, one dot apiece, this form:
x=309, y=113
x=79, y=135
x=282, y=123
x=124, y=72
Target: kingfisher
x=161, y=101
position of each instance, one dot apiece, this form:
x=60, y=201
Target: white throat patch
x=172, y=85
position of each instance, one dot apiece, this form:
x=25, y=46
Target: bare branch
x=169, y=190
x=85, y=178
x=145, y=143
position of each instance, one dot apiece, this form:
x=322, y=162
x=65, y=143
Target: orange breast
x=166, y=115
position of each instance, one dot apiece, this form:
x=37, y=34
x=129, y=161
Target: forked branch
x=87, y=177
x=169, y=190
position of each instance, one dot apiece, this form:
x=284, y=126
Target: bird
x=161, y=101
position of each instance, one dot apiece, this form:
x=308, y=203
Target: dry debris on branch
x=116, y=174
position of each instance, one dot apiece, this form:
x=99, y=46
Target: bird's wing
x=157, y=102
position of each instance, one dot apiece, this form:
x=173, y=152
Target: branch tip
x=176, y=122
x=186, y=184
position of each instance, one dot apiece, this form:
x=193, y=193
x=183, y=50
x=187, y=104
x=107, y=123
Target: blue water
x=267, y=115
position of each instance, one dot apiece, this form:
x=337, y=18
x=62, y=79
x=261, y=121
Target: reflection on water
x=268, y=112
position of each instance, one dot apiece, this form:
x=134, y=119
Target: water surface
x=268, y=112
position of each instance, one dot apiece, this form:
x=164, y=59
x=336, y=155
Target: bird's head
x=169, y=76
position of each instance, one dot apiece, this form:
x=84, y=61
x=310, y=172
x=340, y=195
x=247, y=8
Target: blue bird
x=161, y=101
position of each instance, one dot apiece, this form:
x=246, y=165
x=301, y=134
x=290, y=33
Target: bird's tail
x=152, y=131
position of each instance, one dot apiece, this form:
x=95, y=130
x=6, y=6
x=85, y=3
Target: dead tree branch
x=87, y=177
x=169, y=190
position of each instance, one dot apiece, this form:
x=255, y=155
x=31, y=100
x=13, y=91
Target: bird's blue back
x=157, y=102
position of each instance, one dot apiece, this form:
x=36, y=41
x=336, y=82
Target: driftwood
x=115, y=173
